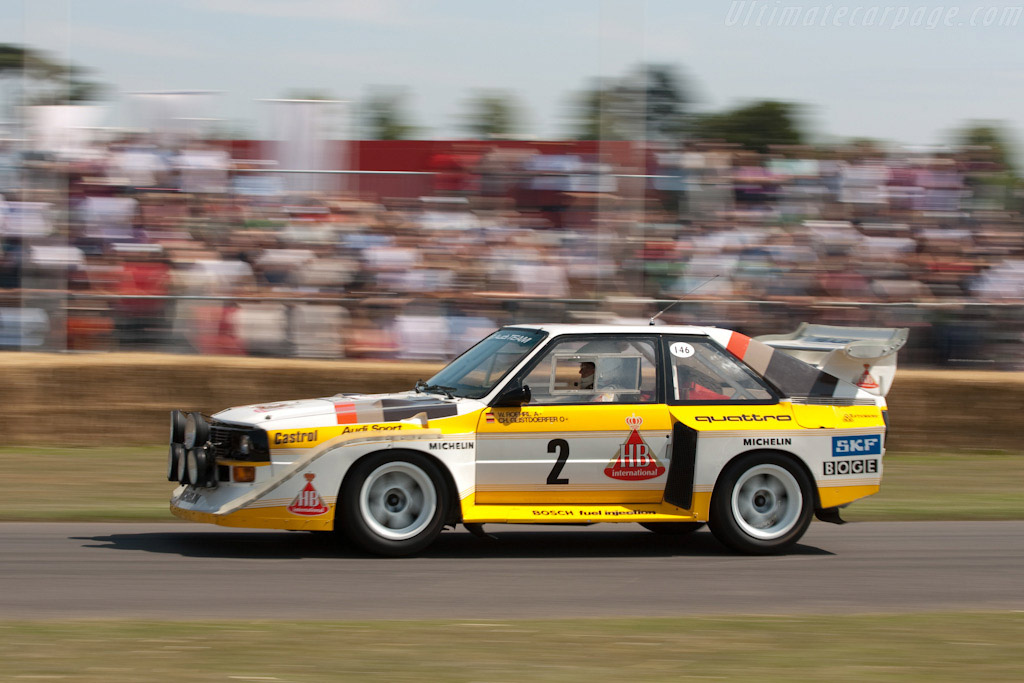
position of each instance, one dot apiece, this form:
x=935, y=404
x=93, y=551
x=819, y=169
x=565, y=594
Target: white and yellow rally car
x=672, y=427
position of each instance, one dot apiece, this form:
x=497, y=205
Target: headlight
x=174, y=456
x=192, y=463
x=245, y=444
x=183, y=470
x=198, y=467
x=177, y=426
x=196, y=430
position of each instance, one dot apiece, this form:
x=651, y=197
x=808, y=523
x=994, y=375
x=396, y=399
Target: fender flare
x=453, y=515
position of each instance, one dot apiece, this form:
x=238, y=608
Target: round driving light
x=200, y=468
x=193, y=466
x=183, y=469
x=196, y=430
x=177, y=426
x=175, y=454
x=245, y=444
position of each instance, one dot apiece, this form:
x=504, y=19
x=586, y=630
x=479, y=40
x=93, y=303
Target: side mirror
x=514, y=396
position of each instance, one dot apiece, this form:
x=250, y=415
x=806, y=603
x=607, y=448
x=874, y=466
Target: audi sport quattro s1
x=673, y=427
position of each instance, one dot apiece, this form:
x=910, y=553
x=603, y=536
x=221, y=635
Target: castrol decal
x=308, y=502
x=635, y=459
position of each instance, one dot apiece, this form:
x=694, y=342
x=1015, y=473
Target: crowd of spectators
x=134, y=247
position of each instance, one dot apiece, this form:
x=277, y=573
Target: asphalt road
x=188, y=571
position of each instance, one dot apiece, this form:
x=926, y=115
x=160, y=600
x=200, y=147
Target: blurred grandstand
x=413, y=250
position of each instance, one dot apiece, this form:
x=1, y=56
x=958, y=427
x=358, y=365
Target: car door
x=719, y=408
x=596, y=429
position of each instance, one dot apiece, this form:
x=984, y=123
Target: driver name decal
x=635, y=460
x=515, y=416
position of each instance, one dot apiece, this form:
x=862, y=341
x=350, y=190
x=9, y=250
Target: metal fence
x=966, y=334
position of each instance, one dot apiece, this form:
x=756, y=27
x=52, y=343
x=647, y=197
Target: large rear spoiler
x=863, y=356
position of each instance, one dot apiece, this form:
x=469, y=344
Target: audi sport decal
x=308, y=502
x=635, y=460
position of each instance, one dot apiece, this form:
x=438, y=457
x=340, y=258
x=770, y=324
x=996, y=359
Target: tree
x=651, y=104
x=43, y=80
x=991, y=139
x=754, y=126
x=384, y=115
x=492, y=114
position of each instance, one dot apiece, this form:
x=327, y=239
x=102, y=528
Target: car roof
x=555, y=329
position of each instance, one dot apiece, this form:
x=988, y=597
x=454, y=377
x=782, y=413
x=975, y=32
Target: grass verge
x=110, y=484
x=928, y=647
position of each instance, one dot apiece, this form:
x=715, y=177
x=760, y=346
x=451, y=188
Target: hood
x=345, y=409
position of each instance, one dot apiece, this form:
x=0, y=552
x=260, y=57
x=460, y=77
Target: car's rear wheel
x=672, y=528
x=393, y=503
x=762, y=504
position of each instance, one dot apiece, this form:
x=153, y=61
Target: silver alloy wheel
x=397, y=501
x=766, y=501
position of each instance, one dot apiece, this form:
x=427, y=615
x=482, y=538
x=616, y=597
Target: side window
x=595, y=370
x=700, y=370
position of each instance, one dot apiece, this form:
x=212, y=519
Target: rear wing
x=862, y=356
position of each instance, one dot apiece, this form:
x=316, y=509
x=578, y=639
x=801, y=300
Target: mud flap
x=830, y=515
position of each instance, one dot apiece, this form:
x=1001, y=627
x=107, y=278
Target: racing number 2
x=562, y=446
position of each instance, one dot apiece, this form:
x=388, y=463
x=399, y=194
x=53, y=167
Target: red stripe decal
x=346, y=413
x=738, y=344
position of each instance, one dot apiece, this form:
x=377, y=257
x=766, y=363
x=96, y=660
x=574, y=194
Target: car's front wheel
x=393, y=503
x=762, y=504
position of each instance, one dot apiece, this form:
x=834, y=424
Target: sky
x=909, y=73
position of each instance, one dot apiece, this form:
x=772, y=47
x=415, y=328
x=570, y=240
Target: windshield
x=478, y=370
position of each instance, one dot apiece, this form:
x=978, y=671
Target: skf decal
x=843, y=446
x=862, y=466
x=635, y=460
x=295, y=437
x=308, y=502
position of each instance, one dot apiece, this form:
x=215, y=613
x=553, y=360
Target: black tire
x=762, y=504
x=393, y=503
x=672, y=528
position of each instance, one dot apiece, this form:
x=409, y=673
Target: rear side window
x=700, y=371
